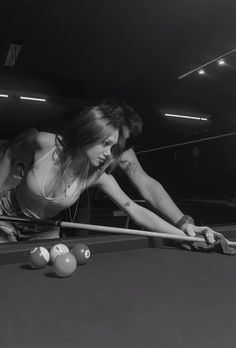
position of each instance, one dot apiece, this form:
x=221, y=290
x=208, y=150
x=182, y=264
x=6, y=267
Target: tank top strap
x=44, y=156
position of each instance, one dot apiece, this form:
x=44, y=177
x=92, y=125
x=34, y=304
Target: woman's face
x=100, y=152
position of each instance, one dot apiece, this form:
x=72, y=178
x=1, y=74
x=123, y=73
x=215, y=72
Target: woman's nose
x=107, y=151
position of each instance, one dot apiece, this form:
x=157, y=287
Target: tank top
x=31, y=196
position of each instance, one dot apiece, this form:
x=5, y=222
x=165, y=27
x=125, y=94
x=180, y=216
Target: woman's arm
x=140, y=215
x=6, y=164
x=21, y=150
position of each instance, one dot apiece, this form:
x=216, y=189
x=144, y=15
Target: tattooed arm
x=140, y=215
x=150, y=189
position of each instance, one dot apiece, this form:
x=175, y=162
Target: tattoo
x=127, y=204
x=129, y=166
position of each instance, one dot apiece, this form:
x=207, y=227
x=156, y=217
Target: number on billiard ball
x=81, y=253
x=39, y=257
x=58, y=249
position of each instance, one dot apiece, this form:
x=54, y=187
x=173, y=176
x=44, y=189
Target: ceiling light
x=202, y=66
x=201, y=72
x=3, y=96
x=221, y=62
x=34, y=99
x=188, y=117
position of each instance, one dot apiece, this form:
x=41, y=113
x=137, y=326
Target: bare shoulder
x=36, y=144
x=43, y=140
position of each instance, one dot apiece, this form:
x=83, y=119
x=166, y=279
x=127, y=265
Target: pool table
x=134, y=292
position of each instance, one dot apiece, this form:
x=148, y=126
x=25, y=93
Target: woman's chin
x=95, y=164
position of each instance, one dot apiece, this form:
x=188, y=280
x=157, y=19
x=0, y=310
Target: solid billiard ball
x=39, y=257
x=81, y=253
x=65, y=265
x=58, y=249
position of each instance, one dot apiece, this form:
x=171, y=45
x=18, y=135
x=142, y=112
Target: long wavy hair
x=90, y=126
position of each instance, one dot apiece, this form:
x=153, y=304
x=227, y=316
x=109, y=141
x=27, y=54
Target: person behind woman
x=151, y=190
x=148, y=188
x=60, y=167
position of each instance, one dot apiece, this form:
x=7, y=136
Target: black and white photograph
x=117, y=173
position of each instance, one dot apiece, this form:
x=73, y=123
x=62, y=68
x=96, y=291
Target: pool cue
x=107, y=229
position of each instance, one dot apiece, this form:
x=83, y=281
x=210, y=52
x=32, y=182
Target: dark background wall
x=73, y=53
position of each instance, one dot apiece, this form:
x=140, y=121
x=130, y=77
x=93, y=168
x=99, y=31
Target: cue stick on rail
x=107, y=229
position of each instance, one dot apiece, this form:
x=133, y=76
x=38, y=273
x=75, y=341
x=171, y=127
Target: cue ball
x=58, y=249
x=39, y=257
x=81, y=253
x=65, y=265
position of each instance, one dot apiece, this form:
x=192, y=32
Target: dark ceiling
x=135, y=50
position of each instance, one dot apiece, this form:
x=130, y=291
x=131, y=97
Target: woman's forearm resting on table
x=140, y=215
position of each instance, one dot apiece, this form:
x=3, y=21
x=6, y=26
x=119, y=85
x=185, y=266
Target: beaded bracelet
x=185, y=219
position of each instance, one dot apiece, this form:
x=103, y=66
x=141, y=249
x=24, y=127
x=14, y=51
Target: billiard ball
x=58, y=249
x=39, y=257
x=81, y=253
x=65, y=265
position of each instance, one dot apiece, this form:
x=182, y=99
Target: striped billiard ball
x=38, y=257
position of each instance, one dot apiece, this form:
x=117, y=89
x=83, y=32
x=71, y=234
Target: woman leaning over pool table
x=60, y=167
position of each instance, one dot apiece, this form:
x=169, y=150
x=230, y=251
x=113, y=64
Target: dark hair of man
x=132, y=120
